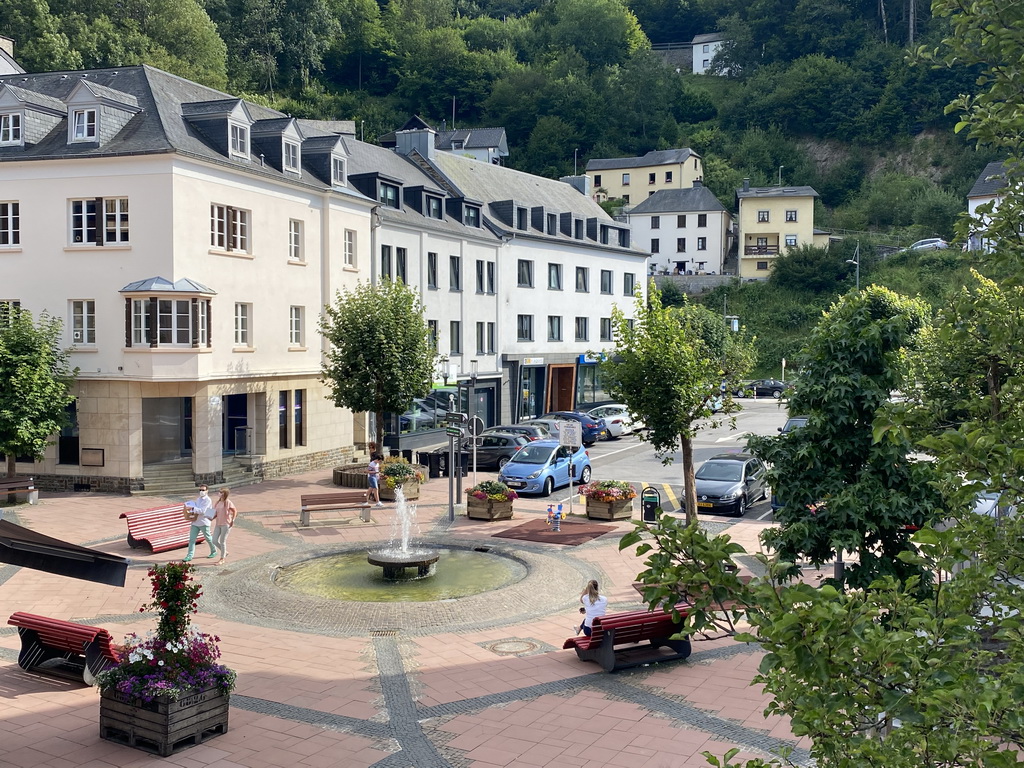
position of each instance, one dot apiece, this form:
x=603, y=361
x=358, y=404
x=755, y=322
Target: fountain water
x=398, y=555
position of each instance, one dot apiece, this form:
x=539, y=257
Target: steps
x=175, y=478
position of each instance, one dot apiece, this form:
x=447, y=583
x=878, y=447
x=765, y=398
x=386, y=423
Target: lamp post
x=856, y=262
x=780, y=174
x=574, y=155
x=472, y=407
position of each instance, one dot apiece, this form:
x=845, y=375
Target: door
x=235, y=420
x=561, y=466
x=562, y=388
x=67, y=443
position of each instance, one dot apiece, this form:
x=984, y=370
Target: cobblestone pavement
x=478, y=682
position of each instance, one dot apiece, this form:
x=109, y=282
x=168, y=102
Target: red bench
x=160, y=528
x=627, y=629
x=83, y=650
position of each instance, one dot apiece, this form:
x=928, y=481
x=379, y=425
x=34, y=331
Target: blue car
x=542, y=466
x=594, y=428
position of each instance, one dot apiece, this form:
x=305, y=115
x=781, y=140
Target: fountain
x=398, y=556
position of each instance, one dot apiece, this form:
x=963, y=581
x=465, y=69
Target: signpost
x=476, y=426
x=455, y=432
x=570, y=434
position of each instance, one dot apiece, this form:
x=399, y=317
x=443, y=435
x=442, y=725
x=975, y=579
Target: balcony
x=761, y=250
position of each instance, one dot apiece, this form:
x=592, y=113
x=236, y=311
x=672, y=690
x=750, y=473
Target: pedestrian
x=201, y=513
x=223, y=521
x=373, y=476
x=594, y=604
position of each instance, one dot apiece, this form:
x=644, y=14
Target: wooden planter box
x=488, y=510
x=411, y=488
x=164, y=726
x=609, y=510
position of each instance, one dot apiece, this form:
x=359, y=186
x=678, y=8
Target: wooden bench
x=627, y=629
x=83, y=651
x=338, y=500
x=159, y=528
x=11, y=485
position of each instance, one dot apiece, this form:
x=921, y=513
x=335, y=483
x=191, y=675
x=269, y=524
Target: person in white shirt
x=594, y=605
x=201, y=512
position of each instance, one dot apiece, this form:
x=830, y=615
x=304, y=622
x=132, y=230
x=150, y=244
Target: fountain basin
x=395, y=562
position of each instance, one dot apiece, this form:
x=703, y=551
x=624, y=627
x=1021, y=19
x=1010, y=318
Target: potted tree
x=168, y=691
x=609, y=499
x=490, y=500
x=399, y=472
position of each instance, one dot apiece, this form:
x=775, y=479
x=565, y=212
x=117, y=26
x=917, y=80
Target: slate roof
x=163, y=285
x=112, y=94
x=37, y=99
x=991, y=182
x=769, y=192
x=710, y=37
x=679, y=201
x=655, y=157
x=472, y=138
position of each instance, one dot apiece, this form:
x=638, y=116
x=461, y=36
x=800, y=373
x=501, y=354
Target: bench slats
x=86, y=649
x=338, y=500
x=159, y=528
x=628, y=629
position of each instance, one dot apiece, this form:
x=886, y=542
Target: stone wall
x=304, y=463
x=694, y=285
x=101, y=483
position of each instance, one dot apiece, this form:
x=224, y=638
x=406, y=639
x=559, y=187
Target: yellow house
x=634, y=179
x=772, y=220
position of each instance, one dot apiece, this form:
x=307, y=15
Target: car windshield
x=533, y=454
x=721, y=471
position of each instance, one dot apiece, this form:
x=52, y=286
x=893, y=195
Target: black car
x=594, y=428
x=495, y=448
x=532, y=431
x=763, y=388
x=729, y=482
x=793, y=422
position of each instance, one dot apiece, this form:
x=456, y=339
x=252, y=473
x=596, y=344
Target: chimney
x=697, y=183
x=7, y=45
x=746, y=185
x=580, y=183
x=421, y=140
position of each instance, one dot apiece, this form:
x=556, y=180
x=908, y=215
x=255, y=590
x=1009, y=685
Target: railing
x=760, y=250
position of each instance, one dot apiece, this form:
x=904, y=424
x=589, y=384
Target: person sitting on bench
x=594, y=604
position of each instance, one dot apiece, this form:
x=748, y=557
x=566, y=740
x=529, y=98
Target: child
x=374, y=479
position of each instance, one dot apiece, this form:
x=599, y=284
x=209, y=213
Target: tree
x=381, y=356
x=668, y=366
x=37, y=381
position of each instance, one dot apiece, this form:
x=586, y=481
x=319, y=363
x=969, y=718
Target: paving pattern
x=477, y=682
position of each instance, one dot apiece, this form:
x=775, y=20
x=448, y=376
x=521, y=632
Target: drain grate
x=481, y=549
x=383, y=633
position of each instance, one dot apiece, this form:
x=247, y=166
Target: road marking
x=766, y=514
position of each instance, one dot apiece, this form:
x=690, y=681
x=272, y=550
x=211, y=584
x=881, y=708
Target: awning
x=24, y=547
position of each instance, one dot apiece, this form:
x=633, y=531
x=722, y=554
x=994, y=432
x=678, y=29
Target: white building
x=686, y=231
x=705, y=47
x=990, y=187
x=8, y=65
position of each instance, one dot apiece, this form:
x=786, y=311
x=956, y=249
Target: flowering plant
x=608, y=490
x=176, y=657
x=492, y=490
x=397, y=470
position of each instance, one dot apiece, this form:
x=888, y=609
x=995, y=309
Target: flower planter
x=164, y=726
x=478, y=509
x=621, y=509
x=411, y=488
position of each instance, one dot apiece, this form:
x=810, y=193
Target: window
x=655, y=222
x=525, y=273
x=291, y=156
x=491, y=327
x=790, y=215
x=552, y=224
x=112, y=229
x=681, y=220
x=582, y=331
x=577, y=229
x=655, y=245
x=229, y=228
x=431, y=270
x=554, y=327
x=385, y=261
x=791, y=241
x=652, y=178
x=8, y=308
x=606, y=329
x=702, y=243
x=707, y=48
x=10, y=128
x=479, y=276
x=350, y=247
x=239, y=140
x=455, y=345
x=296, y=326
x=481, y=338
x=402, y=265
x=299, y=398
x=702, y=219
x=554, y=277
x=606, y=281
x=680, y=245
x=625, y=179
x=524, y=328
x=668, y=177
x=338, y=177
x=490, y=277
x=10, y=224
x=628, y=283
x=295, y=240
x=706, y=63
x=471, y=216
x=388, y=195
x=174, y=322
x=762, y=265
x=625, y=199
x=282, y=419
x=597, y=180
x=521, y=220
x=455, y=273
x=83, y=125
x=762, y=217
x=83, y=322
x=582, y=280
x=434, y=208
x=243, y=327
x=432, y=333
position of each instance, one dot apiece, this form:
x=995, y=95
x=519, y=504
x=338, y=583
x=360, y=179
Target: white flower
x=160, y=663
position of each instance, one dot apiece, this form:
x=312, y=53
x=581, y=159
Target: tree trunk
x=911, y=21
x=689, y=485
x=885, y=24
x=12, y=468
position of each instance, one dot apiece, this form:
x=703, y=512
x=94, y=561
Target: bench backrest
x=17, y=483
x=340, y=497
x=635, y=626
x=155, y=520
x=59, y=634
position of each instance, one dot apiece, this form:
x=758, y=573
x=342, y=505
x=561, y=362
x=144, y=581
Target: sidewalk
x=478, y=688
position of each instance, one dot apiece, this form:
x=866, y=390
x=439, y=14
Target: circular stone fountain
x=398, y=556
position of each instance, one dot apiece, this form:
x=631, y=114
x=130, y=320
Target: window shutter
x=127, y=322
x=209, y=323
x=100, y=220
x=151, y=332
x=195, y=322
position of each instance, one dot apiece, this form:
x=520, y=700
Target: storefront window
x=531, y=391
x=589, y=387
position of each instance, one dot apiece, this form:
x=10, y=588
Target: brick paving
x=478, y=682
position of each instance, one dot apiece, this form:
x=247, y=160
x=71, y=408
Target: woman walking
x=594, y=604
x=223, y=522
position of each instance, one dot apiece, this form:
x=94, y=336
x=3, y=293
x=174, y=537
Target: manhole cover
x=513, y=647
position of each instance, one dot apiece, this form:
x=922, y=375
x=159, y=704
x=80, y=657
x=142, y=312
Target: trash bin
x=442, y=455
x=432, y=461
x=650, y=503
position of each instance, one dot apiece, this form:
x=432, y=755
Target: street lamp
x=574, y=153
x=856, y=262
x=780, y=174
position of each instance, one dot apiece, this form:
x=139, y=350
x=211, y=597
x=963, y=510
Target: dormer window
x=471, y=216
x=83, y=125
x=338, y=172
x=10, y=128
x=434, y=207
x=522, y=222
x=387, y=194
x=239, y=140
x=291, y=156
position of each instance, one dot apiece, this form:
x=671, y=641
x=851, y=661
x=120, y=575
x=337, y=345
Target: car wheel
x=741, y=508
x=586, y=444
x=549, y=487
x=777, y=393
x=585, y=475
x=502, y=461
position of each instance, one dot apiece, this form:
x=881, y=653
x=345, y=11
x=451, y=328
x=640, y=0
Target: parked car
x=532, y=431
x=543, y=465
x=495, y=449
x=618, y=418
x=551, y=425
x=729, y=482
x=762, y=388
x=793, y=422
x=421, y=415
x=930, y=244
x=593, y=428
x=440, y=398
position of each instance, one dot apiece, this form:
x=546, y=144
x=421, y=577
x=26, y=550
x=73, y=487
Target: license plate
x=516, y=485
x=704, y=504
